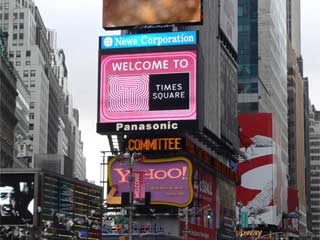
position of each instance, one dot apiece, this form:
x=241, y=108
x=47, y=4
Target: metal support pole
x=130, y=200
x=186, y=221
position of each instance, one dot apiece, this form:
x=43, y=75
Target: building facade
x=33, y=52
x=23, y=144
x=296, y=121
x=315, y=171
x=262, y=76
x=25, y=51
x=8, y=94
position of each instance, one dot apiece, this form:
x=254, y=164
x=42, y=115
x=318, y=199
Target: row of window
x=314, y=143
x=314, y=158
x=15, y=36
x=17, y=26
x=18, y=63
x=27, y=73
x=5, y=16
x=18, y=54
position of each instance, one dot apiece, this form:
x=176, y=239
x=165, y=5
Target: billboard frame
x=102, y=128
x=36, y=194
x=163, y=160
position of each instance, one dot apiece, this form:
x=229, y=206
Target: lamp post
x=130, y=196
x=131, y=159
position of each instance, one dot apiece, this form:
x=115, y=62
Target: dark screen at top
x=130, y=13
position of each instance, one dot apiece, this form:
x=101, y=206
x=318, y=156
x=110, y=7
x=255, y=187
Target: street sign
x=244, y=220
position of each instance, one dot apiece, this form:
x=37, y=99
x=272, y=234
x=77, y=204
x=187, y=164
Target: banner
x=263, y=190
x=139, y=186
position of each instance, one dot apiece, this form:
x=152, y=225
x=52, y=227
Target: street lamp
x=131, y=160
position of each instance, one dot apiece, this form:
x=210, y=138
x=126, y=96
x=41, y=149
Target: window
x=33, y=73
x=32, y=85
x=21, y=26
x=15, y=36
x=5, y=27
x=31, y=105
x=6, y=6
x=15, y=15
x=28, y=53
x=31, y=116
x=21, y=15
x=31, y=126
x=15, y=26
x=28, y=62
x=25, y=73
x=18, y=63
x=18, y=54
x=20, y=35
x=6, y=16
x=11, y=54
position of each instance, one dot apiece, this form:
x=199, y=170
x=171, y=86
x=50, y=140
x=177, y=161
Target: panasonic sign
x=149, y=40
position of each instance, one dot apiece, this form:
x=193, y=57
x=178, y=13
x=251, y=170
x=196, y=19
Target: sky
x=78, y=24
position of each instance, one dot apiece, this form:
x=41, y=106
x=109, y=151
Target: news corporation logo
x=108, y=42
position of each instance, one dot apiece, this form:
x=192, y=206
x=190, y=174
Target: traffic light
x=209, y=216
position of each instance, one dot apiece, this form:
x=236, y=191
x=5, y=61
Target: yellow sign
x=249, y=233
x=155, y=144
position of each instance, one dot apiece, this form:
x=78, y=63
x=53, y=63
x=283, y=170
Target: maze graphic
x=128, y=93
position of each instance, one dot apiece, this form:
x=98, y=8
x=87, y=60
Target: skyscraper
x=315, y=170
x=42, y=68
x=26, y=49
x=8, y=95
x=262, y=59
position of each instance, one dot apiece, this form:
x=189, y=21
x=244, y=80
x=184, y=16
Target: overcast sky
x=78, y=24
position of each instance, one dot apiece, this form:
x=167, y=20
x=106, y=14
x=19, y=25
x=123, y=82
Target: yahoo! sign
x=146, y=91
x=169, y=180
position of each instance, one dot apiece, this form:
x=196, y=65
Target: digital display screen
x=16, y=199
x=72, y=208
x=147, y=88
x=149, y=40
x=169, y=180
x=119, y=14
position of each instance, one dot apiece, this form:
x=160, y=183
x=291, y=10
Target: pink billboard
x=263, y=191
x=169, y=180
x=147, y=91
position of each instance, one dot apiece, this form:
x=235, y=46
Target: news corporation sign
x=149, y=40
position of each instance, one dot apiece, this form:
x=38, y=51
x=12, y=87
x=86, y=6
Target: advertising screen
x=131, y=13
x=263, y=190
x=16, y=198
x=169, y=180
x=147, y=91
x=72, y=207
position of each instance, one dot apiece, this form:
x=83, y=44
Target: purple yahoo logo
x=169, y=180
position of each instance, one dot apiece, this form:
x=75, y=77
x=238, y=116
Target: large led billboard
x=131, y=13
x=263, y=190
x=17, y=198
x=146, y=90
x=169, y=180
x=72, y=207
